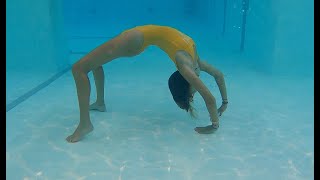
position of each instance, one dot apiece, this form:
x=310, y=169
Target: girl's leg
x=125, y=45
x=99, y=82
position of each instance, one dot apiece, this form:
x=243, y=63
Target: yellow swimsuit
x=168, y=39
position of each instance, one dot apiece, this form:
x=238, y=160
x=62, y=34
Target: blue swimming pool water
x=267, y=131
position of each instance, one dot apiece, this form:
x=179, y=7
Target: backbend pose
x=183, y=83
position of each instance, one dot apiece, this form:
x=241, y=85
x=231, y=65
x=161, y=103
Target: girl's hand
x=207, y=129
x=222, y=108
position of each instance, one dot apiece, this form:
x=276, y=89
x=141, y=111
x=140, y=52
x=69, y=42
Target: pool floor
x=266, y=132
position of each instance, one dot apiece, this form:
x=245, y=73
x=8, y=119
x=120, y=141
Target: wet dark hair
x=180, y=90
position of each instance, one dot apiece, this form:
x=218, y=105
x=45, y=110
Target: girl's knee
x=79, y=68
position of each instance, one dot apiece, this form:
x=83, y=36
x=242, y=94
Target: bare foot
x=95, y=106
x=79, y=133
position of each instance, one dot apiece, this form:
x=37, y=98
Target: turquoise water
x=267, y=131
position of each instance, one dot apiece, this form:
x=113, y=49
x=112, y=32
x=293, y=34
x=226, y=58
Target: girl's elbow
x=219, y=75
x=211, y=100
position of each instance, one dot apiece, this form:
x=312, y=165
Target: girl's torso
x=168, y=39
